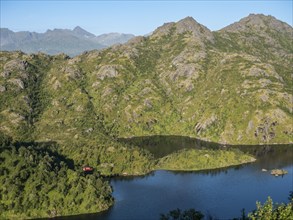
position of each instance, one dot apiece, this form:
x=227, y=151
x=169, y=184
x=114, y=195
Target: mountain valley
x=231, y=87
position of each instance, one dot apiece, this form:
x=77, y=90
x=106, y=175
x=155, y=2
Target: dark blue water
x=220, y=193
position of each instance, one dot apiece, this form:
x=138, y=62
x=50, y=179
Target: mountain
x=232, y=86
x=113, y=38
x=71, y=42
x=82, y=33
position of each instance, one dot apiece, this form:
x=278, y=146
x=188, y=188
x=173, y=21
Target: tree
x=5, y=140
x=272, y=211
x=177, y=214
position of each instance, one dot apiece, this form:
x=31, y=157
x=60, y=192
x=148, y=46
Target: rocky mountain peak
x=259, y=22
x=164, y=29
x=187, y=24
x=198, y=30
x=78, y=28
x=79, y=31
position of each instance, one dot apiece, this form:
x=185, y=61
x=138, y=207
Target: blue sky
x=136, y=17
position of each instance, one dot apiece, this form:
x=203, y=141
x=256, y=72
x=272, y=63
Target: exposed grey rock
x=108, y=71
x=89, y=130
x=2, y=88
x=279, y=114
x=250, y=126
x=130, y=52
x=264, y=97
x=163, y=30
x=4, y=59
x=204, y=124
x=187, y=24
x=258, y=22
x=16, y=118
x=265, y=70
x=73, y=72
x=107, y=91
x=266, y=130
x=189, y=87
x=75, y=60
x=148, y=103
x=254, y=71
x=5, y=74
x=17, y=82
x=186, y=71
x=223, y=91
x=145, y=91
x=15, y=64
x=189, y=56
x=135, y=40
x=265, y=82
x=79, y=108
x=199, y=31
x=96, y=84
x=57, y=85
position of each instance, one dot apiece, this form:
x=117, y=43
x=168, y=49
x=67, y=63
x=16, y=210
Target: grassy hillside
x=191, y=160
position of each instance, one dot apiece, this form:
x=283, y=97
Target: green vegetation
x=177, y=214
x=37, y=182
x=194, y=159
x=182, y=80
x=272, y=211
x=267, y=211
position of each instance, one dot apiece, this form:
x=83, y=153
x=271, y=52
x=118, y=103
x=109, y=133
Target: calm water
x=220, y=193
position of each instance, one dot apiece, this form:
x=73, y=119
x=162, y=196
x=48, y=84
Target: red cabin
x=87, y=169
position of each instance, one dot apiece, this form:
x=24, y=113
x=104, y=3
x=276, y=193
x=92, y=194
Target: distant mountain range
x=71, y=42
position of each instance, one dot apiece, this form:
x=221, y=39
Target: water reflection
x=131, y=178
x=162, y=145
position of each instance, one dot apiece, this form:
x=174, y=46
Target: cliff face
x=231, y=86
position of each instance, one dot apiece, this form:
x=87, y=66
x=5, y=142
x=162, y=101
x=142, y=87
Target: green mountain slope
x=186, y=80
x=45, y=100
x=37, y=182
x=232, y=86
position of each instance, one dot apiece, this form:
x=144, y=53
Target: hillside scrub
x=194, y=159
x=36, y=182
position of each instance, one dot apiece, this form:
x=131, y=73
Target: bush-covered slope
x=37, y=182
x=193, y=159
x=231, y=86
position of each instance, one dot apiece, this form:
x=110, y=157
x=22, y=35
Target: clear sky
x=136, y=17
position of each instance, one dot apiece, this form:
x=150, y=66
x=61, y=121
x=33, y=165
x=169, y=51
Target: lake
x=220, y=193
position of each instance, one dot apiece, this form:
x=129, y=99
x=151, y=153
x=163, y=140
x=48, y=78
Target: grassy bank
x=196, y=159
